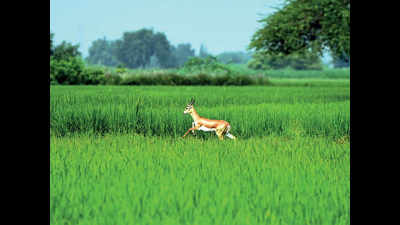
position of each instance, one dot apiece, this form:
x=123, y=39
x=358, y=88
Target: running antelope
x=220, y=127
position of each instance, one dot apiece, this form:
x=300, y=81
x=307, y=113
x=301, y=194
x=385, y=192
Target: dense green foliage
x=196, y=71
x=304, y=25
x=136, y=48
x=205, y=65
x=143, y=48
x=103, y=52
x=304, y=61
x=182, y=53
x=198, y=79
x=66, y=71
x=65, y=51
x=340, y=61
x=67, y=66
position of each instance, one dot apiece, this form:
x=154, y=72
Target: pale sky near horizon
x=221, y=25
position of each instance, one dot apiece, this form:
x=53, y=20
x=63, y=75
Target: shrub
x=179, y=80
x=258, y=64
x=111, y=79
x=240, y=80
x=201, y=79
x=208, y=64
x=221, y=80
x=93, y=76
x=132, y=80
x=298, y=61
x=73, y=71
x=66, y=71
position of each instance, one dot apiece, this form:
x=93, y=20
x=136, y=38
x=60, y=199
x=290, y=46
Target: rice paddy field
x=117, y=155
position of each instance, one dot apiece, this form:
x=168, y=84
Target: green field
x=117, y=156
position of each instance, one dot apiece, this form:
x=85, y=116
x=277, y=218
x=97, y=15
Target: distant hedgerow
x=199, y=79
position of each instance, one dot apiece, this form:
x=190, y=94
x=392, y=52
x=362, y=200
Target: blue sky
x=222, y=25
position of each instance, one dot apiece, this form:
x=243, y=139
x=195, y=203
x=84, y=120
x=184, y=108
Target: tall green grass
x=116, y=156
x=131, y=179
x=158, y=110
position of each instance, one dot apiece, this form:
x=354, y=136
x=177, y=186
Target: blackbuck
x=220, y=127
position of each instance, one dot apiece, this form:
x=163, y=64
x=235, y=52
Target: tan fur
x=221, y=126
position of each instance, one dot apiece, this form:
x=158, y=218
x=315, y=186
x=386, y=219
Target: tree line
x=148, y=49
x=143, y=48
x=294, y=36
x=68, y=67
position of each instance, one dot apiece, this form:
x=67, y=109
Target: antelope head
x=189, y=107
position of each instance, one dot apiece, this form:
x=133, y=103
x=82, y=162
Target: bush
x=73, y=71
x=297, y=61
x=221, y=80
x=179, y=80
x=157, y=79
x=92, y=76
x=111, y=79
x=66, y=71
x=132, y=80
x=258, y=64
x=208, y=64
x=198, y=79
x=201, y=79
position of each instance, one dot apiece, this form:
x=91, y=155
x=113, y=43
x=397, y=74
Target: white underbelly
x=203, y=128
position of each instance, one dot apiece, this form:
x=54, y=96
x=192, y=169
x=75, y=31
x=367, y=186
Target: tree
x=66, y=64
x=66, y=50
x=340, y=61
x=182, y=53
x=136, y=48
x=154, y=62
x=259, y=62
x=66, y=71
x=162, y=49
x=207, y=64
x=203, y=53
x=102, y=52
x=303, y=25
x=298, y=61
x=304, y=61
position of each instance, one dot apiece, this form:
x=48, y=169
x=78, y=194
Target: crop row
x=157, y=111
x=131, y=179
